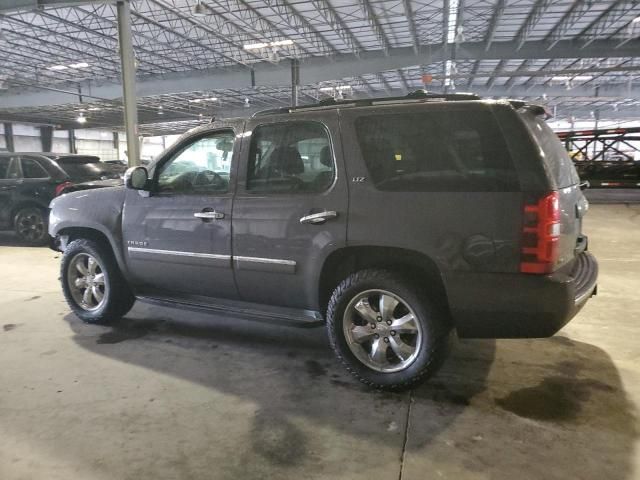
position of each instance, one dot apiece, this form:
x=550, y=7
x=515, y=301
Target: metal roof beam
x=531, y=21
x=559, y=31
x=408, y=11
x=607, y=18
x=374, y=23
x=138, y=34
x=249, y=16
x=177, y=13
x=493, y=24
x=332, y=18
x=7, y=6
x=495, y=74
x=318, y=69
x=298, y=22
x=107, y=38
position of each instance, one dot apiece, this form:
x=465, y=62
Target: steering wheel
x=207, y=177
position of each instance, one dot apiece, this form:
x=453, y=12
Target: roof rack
x=535, y=108
x=329, y=103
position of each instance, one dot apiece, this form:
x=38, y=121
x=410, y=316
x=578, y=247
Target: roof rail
x=328, y=103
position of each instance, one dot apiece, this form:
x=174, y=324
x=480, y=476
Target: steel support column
x=72, y=141
x=127, y=60
x=8, y=137
x=46, y=138
x=295, y=81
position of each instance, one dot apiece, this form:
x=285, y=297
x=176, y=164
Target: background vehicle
x=606, y=158
x=397, y=220
x=28, y=182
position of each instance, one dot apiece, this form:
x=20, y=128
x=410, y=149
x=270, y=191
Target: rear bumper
x=491, y=305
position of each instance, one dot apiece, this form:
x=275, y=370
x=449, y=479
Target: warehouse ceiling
x=230, y=57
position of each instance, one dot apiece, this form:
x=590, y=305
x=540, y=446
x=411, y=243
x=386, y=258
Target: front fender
x=99, y=209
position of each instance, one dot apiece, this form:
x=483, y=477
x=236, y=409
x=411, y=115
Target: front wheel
x=30, y=224
x=385, y=331
x=92, y=283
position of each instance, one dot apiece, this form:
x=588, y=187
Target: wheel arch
x=89, y=233
x=415, y=265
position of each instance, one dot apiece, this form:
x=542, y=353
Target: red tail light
x=62, y=186
x=541, y=233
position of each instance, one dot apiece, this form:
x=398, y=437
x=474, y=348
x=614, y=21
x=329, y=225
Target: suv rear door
x=290, y=210
x=10, y=180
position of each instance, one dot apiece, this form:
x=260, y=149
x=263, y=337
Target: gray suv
x=395, y=222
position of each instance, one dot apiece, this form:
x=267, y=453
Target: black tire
x=435, y=329
x=117, y=297
x=30, y=225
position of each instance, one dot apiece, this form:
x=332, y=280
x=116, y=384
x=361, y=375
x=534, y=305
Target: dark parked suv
x=28, y=182
x=394, y=221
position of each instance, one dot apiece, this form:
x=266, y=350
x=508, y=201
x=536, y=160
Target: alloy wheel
x=85, y=277
x=30, y=225
x=382, y=331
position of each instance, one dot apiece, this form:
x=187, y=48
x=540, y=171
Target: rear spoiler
x=535, y=108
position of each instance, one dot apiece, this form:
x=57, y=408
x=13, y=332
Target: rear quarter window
x=556, y=159
x=438, y=150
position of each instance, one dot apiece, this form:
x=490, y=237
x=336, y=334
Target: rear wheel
x=92, y=283
x=30, y=224
x=385, y=331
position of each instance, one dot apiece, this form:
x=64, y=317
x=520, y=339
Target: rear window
x=89, y=168
x=436, y=151
x=556, y=159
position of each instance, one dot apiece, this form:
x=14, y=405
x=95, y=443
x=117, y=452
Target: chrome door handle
x=319, y=218
x=209, y=215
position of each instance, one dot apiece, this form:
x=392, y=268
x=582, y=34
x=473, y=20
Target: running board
x=276, y=315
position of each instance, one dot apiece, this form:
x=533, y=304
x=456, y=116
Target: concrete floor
x=167, y=394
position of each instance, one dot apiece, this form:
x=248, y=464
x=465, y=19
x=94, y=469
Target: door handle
x=209, y=215
x=319, y=218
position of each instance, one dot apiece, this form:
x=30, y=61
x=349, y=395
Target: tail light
x=60, y=188
x=541, y=234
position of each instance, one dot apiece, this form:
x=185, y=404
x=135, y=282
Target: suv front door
x=177, y=237
x=290, y=171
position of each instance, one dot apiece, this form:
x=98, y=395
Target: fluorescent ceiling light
x=81, y=118
x=79, y=65
x=257, y=46
x=281, y=43
x=577, y=78
x=338, y=88
x=94, y=109
x=254, y=46
x=58, y=67
x=199, y=100
x=636, y=20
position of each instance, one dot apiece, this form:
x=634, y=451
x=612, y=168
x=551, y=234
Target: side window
x=290, y=157
x=436, y=151
x=4, y=167
x=9, y=168
x=203, y=166
x=32, y=169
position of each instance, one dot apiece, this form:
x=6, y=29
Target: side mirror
x=136, y=178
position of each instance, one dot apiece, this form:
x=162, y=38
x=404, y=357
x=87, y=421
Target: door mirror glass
x=136, y=178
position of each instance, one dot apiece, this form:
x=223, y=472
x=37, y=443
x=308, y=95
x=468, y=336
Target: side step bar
x=285, y=317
